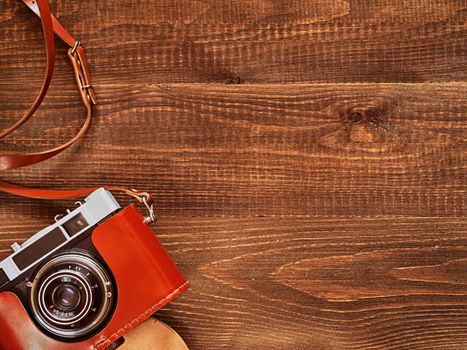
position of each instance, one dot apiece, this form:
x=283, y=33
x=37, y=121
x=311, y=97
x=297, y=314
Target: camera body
x=86, y=280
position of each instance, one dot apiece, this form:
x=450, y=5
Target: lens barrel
x=71, y=295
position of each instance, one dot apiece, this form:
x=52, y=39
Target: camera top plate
x=96, y=207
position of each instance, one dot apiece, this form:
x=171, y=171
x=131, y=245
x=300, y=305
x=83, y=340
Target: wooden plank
x=247, y=150
x=250, y=41
x=304, y=283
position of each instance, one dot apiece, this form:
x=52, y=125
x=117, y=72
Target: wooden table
x=308, y=159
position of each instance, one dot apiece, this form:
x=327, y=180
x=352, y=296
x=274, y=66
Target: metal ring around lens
x=38, y=289
x=46, y=312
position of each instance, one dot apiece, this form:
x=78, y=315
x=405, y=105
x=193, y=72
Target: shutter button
x=16, y=247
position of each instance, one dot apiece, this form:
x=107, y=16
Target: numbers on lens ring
x=65, y=287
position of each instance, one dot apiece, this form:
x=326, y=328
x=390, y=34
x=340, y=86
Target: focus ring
x=71, y=295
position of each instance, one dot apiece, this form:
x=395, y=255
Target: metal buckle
x=81, y=76
x=150, y=207
x=75, y=46
x=148, y=201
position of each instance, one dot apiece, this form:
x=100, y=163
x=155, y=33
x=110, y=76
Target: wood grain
x=304, y=283
x=254, y=41
x=281, y=150
x=308, y=159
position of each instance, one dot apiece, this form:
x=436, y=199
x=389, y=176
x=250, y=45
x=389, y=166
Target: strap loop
x=78, y=61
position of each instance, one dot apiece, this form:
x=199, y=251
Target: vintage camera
x=86, y=280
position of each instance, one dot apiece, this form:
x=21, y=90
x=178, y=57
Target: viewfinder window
x=76, y=224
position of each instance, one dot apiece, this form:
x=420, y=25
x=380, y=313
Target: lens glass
x=71, y=295
x=66, y=297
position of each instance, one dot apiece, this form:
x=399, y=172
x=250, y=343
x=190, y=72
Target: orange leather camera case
x=145, y=275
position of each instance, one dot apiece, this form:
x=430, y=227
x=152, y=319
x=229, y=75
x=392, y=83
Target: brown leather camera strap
x=52, y=26
x=36, y=193
x=143, y=197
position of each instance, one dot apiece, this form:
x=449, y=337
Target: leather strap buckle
x=78, y=60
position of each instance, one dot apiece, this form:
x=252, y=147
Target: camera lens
x=71, y=295
x=66, y=297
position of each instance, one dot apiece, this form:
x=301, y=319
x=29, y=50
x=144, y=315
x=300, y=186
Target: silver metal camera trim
x=97, y=206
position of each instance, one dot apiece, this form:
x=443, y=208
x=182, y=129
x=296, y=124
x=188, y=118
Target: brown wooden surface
x=308, y=158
